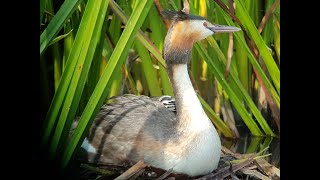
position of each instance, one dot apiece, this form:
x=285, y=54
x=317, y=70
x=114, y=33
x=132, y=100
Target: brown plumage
x=103, y=133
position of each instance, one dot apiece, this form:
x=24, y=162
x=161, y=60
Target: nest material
x=231, y=166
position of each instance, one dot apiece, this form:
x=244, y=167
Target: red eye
x=205, y=24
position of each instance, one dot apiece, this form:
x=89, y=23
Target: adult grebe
x=134, y=128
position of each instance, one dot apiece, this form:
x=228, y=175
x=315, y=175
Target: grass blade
x=57, y=22
x=42, y=5
x=243, y=66
x=140, y=36
x=238, y=88
x=60, y=37
x=267, y=33
x=148, y=70
x=218, y=72
x=250, y=27
x=55, y=51
x=167, y=89
x=95, y=101
x=67, y=42
x=87, y=37
x=157, y=35
x=240, y=39
x=276, y=31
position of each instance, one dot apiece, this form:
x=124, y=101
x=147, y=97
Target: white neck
x=200, y=142
x=190, y=113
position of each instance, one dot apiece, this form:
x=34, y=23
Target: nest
x=231, y=166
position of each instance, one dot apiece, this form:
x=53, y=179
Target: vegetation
x=94, y=49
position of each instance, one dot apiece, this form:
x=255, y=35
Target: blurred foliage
x=87, y=54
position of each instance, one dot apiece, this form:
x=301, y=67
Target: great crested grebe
x=164, y=132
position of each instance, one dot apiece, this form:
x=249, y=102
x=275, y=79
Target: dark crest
x=175, y=15
x=179, y=15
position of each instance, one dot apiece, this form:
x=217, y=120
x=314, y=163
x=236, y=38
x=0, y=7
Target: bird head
x=187, y=29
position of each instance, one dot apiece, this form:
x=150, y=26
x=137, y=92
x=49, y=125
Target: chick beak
x=216, y=28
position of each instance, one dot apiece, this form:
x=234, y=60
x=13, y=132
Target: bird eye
x=205, y=24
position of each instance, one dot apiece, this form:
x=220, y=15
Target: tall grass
x=91, y=50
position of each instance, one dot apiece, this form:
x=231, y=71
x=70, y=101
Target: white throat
x=203, y=144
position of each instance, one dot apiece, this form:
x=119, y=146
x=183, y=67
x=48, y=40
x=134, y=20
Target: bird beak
x=216, y=28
